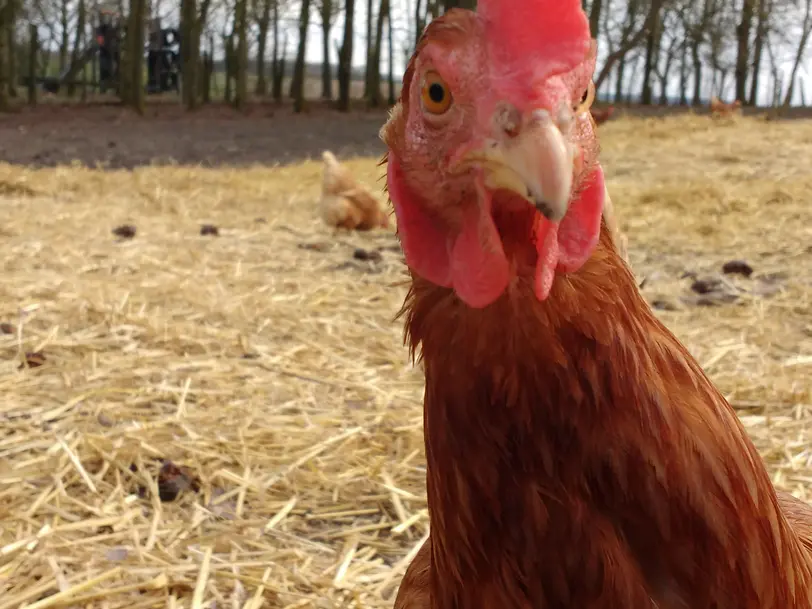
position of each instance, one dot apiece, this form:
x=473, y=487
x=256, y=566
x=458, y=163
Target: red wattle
x=568, y=245
x=425, y=245
x=579, y=231
x=479, y=268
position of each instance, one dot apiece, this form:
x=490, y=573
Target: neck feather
x=581, y=422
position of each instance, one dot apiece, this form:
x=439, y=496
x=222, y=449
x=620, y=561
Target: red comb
x=553, y=34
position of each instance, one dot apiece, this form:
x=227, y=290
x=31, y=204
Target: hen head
x=492, y=154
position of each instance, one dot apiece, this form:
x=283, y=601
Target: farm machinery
x=162, y=53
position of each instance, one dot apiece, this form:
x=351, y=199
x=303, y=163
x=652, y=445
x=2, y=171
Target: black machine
x=163, y=57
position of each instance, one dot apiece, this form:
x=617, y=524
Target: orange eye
x=585, y=103
x=435, y=95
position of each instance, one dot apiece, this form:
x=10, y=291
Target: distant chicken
x=720, y=109
x=601, y=115
x=345, y=203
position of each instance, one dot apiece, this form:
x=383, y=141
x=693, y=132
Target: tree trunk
x=228, y=94
x=136, y=32
x=805, y=31
x=391, y=67
x=78, y=43
x=419, y=21
x=64, y=45
x=375, y=98
x=276, y=80
x=5, y=22
x=683, y=75
x=261, y=88
x=241, y=26
x=188, y=63
x=696, y=99
x=669, y=60
x=370, y=53
x=762, y=28
x=326, y=73
x=14, y=8
x=631, y=41
x=209, y=73
x=743, y=49
x=283, y=67
x=621, y=68
x=297, y=90
x=595, y=18
x=345, y=58
x=33, y=48
x=652, y=56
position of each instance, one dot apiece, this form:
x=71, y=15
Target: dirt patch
x=111, y=136
x=116, y=138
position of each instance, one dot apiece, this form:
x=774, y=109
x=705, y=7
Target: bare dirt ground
x=113, y=137
x=117, y=138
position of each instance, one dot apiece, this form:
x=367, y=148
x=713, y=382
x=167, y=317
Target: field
x=199, y=420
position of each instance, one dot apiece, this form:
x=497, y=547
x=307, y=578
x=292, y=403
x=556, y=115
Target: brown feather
x=578, y=456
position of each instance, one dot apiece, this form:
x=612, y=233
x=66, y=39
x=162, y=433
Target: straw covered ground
x=231, y=420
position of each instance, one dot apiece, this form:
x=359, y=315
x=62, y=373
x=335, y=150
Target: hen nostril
x=508, y=119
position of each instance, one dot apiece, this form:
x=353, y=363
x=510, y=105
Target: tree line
x=651, y=51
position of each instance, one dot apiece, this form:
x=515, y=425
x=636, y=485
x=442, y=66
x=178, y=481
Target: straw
x=266, y=360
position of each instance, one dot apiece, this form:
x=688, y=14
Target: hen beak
x=533, y=160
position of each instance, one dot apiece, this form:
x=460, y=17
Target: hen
x=601, y=115
x=577, y=455
x=720, y=109
x=346, y=204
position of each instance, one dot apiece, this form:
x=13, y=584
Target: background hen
x=344, y=202
x=601, y=115
x=720, y=109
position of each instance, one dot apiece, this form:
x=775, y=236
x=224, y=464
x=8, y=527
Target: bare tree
x=188, y=15
x=375, y=99
x=297, y=89
x=328, y=10
x=277, y=62
x=595, y=17
x=370, y=58
x=652, y=55
x=743, y=48
x=419, y=21
x=775, y=72
x=345, y=57
x=64, y=16
x=674, y=45
x=78, y=44
x=806, y=29
x=241, y=30
x=5, y=23
x=391, y=67
x=135, y=35
x=762, y=31
x=632, y=38
x=15, y=7
x=262, y=10
x=33, y=48
x=195, y=81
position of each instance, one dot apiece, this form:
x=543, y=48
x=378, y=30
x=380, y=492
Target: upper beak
x=529, y=157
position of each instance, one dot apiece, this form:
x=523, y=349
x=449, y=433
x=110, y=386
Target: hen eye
x=435, y=95
x=586, y=99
